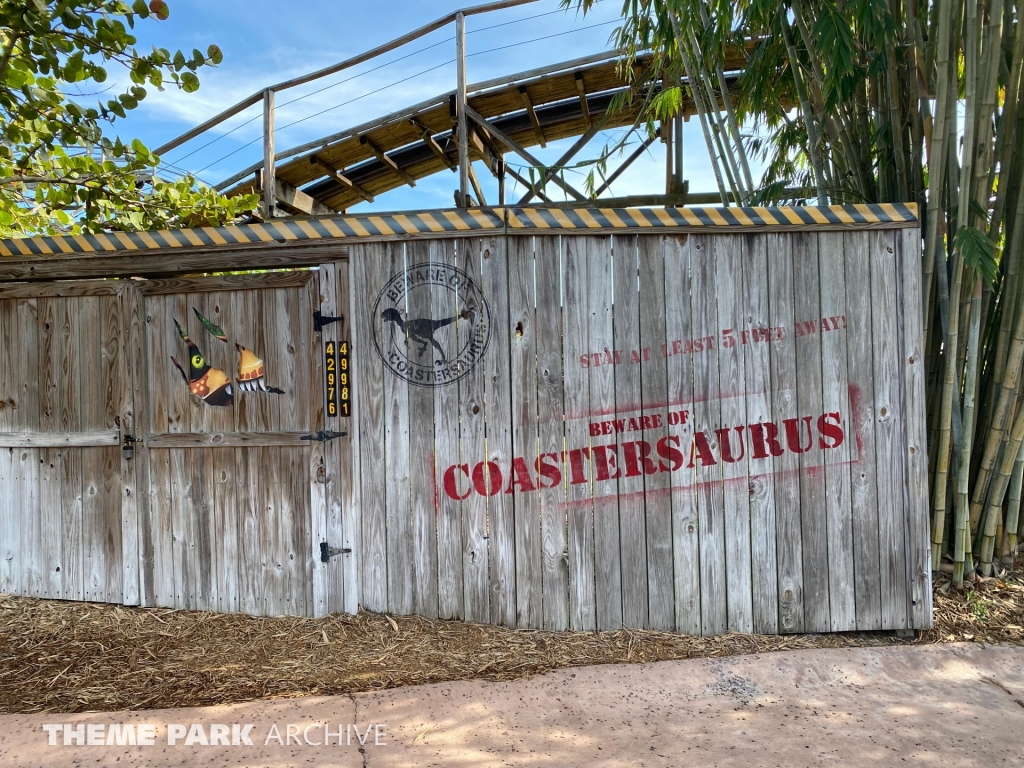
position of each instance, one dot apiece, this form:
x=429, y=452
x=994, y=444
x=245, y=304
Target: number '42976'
x=336, y=374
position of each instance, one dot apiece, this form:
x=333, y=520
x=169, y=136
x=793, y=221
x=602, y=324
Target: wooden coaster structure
x=481, y=121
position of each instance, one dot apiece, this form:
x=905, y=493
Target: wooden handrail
x=342, y=65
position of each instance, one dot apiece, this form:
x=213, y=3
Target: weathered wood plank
x=706, y=419
x=476, y=554
x=134, y=349
x=523, y=388
x=227, y=556
x=759, y=385
x=396, y=465
x=890, y=453
x=166, y=395
x=228, y=440
x=908, y=246
x=628, y=405
x=27, y=417
x=445, y=302
x=91, y=371
x=863, y=485
x=290, y=363
x=11, y=517
x=551, y=439
x=58, y=288
x=730, y=438
x=423, y=499
x=215, y=283
x=576, y=383
x=679, y=365
x=498, y=401
x=344, y=493
x=218, y=467
x=90, y=439
x=607, y=544
x=369, y=274
x=800, y=434
x=201, y=511
x=328, y=578
x=180, y=405
x=655, y=432
x=785, y=466
x=835, y=399
x=50, y=459
x=113, y=390
x=128, y=487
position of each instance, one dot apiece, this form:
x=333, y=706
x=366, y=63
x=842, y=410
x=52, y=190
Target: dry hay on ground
x=77, y=657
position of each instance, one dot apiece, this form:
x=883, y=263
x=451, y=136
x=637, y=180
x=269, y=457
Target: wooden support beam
x=379, y=154
x=518, y=149
x=581, y=91
x=461, y=106
x=269, y=204
x=676, y=200
x=341, y=178
x=427, y=136
x=524, y=97
x=476, y=186
x=485, y=147
x=296, y=200
x=571, y=152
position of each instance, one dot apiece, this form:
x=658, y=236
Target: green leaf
x=978, y=252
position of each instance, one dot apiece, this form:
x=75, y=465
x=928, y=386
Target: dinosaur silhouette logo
x=431, y=324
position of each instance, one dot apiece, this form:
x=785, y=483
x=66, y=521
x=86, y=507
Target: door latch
x=319, y=320
x=323, y=435
x=327, y=552
x=128, y=446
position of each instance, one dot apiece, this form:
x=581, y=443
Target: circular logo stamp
x=431, y=324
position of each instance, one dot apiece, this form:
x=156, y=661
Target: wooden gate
x=67, y=498
x=697, y=433
x=236, y=444
x=165, y=442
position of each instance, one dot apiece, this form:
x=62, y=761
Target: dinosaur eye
x=197, y=361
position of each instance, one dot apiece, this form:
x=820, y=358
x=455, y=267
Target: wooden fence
x=697, y=433
x=701, y=432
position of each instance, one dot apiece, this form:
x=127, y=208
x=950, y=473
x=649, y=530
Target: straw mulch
x=78, y=657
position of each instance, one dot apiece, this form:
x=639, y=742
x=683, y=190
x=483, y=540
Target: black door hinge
x=319, y=320
x=327, y=552
x=323, y=435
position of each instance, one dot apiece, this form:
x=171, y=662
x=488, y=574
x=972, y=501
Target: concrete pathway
x=876, y=707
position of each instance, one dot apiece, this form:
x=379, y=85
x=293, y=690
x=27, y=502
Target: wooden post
x=460, y=55
x=269, y=194
x=677, y=148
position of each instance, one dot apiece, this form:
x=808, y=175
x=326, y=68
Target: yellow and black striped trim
x=463, y=221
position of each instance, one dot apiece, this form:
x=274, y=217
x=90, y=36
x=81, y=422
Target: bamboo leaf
x=978, y=251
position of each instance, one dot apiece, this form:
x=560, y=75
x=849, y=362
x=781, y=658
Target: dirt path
x=871, y=707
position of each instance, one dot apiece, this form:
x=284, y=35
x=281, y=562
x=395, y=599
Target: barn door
x=67, y=493
x=234, y=443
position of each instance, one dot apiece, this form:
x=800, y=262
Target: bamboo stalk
x=934, y=256
x=699, y=104
x=1013, y=505
x=963, y=473
x=805, y=108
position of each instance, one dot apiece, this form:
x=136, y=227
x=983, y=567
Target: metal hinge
x=319, y=320
x=327, y=552
x=323, y=435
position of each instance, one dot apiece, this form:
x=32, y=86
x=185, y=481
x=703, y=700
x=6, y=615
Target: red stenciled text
x=633, y=458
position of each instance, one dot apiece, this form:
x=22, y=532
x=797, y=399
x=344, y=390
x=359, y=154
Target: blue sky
x=266, y=42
